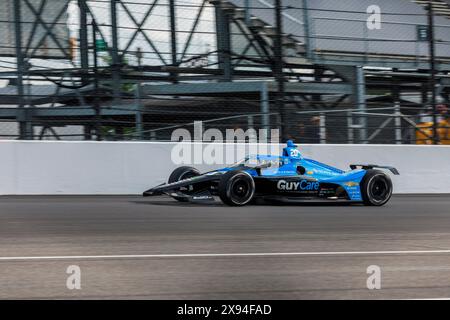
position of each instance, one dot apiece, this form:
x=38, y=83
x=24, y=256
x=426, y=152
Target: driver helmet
x=291, y=150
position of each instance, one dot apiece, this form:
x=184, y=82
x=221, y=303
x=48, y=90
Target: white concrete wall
x=132, y=167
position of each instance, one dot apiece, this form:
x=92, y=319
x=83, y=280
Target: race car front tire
x=376, y=188
x=236, y=188
x=182, y=173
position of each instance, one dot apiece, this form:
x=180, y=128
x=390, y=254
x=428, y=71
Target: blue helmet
x=291, y=144
x=291, y=150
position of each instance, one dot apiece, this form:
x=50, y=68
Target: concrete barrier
x=33, y=168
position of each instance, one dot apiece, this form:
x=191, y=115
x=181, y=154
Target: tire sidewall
x=226, y=183
x=178, y=173
x=370, y=177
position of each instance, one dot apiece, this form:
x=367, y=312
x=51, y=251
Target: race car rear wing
x=371, y=166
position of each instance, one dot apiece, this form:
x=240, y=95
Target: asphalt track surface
x=156, y=248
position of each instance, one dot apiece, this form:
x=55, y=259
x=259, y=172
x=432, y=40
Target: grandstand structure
x=136, y=70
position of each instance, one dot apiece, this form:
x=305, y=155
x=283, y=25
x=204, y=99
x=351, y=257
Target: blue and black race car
x=285, y=178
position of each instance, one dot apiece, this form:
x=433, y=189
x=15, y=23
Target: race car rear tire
x=376, y=188
x=182, y=173
x=236, y=188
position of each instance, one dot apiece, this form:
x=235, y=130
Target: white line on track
x=218, y=255
x=430, y=299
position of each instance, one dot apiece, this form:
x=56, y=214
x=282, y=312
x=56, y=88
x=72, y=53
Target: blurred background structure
x=321, y=71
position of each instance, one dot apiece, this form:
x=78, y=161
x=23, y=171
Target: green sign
x=423, y=33
x=101, y=45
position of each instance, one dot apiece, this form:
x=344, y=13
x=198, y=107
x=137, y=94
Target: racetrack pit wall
x=109, y=168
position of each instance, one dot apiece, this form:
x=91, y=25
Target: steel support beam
x=83, y=34
x=223, y=41
x=351, y=59
x=265, y=107
x=67, y=112
x=247, y=12
x=115, y=52
x=397, y=111
x=307, y=22
x=25, y=129
x=278, y=73
x=97, y=107
x=360, y=98
x=432, y=71
x=211, y=88
x=173, y=37
x=139, y=116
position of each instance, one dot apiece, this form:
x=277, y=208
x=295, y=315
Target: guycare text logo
x=303, y=185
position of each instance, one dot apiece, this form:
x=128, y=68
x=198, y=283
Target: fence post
x=398, y=123
x=265, y=109
x=307, y=29
x=350, y=135
x=278, y=72
x=115, y=52
x=361, y=101
x=322, y=128
x=23, y=119
x=247, y=12
x=432, y=71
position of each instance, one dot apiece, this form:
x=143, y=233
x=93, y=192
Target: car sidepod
x=350, y=182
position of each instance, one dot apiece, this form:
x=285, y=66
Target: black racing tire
x=236, y=188
x=376, y=188
x=182, y=173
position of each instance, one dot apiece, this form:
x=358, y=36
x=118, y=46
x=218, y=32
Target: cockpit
x=260, y=162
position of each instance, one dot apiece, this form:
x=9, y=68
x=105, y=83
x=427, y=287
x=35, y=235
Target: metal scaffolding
x=273, y=75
